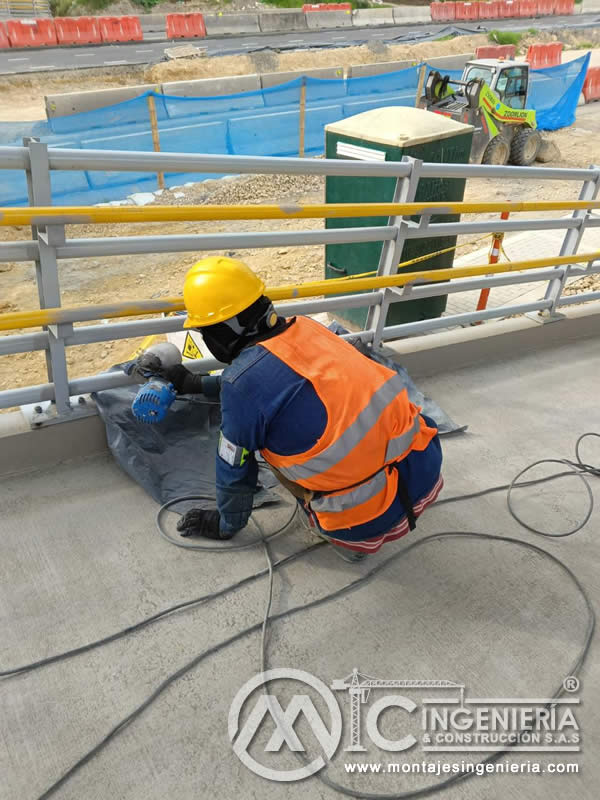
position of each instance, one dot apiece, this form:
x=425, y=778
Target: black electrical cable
x=577, y=467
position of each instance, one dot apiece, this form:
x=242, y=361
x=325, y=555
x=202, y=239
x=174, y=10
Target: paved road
x=151, y=51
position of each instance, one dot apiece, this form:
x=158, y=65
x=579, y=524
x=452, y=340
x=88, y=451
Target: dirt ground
x=22, y=96
x=94, y=281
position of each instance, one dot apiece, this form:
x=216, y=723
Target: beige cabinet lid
x=398, y=126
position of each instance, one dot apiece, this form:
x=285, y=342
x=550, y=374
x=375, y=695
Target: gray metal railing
x=49, y=245
x=25, y=9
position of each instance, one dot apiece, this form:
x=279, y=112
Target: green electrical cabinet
x=388, y=134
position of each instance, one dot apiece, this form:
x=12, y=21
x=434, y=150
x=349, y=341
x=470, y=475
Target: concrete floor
x=79, y=558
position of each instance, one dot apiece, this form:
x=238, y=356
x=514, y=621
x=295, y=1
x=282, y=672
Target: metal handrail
x=16, y=157
x=93, y=215
x=169, y=305
x=49, y=244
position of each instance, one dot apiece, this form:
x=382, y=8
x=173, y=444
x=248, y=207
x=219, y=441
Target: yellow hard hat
x=218, y=288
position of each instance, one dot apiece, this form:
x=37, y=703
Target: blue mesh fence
x=251, y=123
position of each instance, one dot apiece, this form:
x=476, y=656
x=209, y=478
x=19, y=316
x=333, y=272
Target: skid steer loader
x=491, y=96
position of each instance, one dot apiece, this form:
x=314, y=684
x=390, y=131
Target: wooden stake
x=302, y=130
x=155, y=136
x=420, y=85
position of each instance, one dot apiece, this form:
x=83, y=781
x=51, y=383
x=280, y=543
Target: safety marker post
x=493, y=259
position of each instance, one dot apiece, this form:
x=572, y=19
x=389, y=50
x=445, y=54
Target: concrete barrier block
x=275, y=21
x=60, y=105
x=329, y=19
x=269, y=79
x=153, y=23
x=208, y=87
x=450, y=62
x=362, y=70
x=222, y=24
x=368, y=17
x=407, y=14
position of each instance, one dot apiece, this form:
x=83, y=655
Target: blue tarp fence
x=261, y=123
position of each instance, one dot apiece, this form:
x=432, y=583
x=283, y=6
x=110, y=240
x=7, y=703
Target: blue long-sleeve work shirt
x=265, y=404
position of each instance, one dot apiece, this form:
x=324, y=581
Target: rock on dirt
x=548, y=152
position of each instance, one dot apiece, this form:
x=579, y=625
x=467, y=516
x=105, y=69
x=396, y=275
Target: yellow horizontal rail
x=92, y=215
x=52, y=316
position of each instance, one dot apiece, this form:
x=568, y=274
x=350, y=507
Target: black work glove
x=182, y=379
x=202, y=522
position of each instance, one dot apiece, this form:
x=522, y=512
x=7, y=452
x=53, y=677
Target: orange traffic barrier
x=508, y=9
x=443, y=12
x=489, y=10
x=31, y=32
x=466, y=11
x=527, y=8
x=327, y=7
x=544, y=55
x=545, y=8
x=4, y=43
x=591, y=86
x=120, y=29
x=77, y=30
x=185, y=26
x=496, y=51
x=564, y=7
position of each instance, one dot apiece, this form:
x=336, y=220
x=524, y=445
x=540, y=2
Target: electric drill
x=157, y=394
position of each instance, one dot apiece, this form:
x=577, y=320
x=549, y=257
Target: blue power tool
x=153, y=401
x=157, y=395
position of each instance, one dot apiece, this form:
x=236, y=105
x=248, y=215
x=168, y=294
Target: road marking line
x=379, y=35
x=338, y=37
x=17, y=59
x=144, y=51
x=110, y=63
x=85, y=55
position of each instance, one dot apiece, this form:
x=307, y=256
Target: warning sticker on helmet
x=232, y=453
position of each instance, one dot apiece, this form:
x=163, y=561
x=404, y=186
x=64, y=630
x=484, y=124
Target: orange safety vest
x=371, y=424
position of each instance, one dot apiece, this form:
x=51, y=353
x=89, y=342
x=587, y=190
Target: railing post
x=570, y=245
x=46, y=267
x=391, y=252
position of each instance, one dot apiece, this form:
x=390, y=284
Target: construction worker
x=336, y=427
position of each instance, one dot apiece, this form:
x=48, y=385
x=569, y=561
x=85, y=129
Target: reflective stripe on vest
x=355, y=433
x=354, y=497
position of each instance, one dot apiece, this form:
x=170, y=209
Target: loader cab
x=508, y=79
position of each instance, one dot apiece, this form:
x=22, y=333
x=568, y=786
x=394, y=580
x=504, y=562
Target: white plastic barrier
x=367, y=17
x=284, y=21
x=405, y=15
x=362, y=70
x=61, y=105
x=270, y=79
x=209, y=87
x=221, y=24
x=329, y=19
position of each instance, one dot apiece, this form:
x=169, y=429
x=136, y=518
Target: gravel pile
x=245, y=190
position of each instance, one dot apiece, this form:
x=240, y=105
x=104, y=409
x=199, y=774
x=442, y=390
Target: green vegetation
x=505, y=37
x=63, y=8
x=532, y=31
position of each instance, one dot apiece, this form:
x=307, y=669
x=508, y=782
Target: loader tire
x=496, y=152
x=524, y=147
